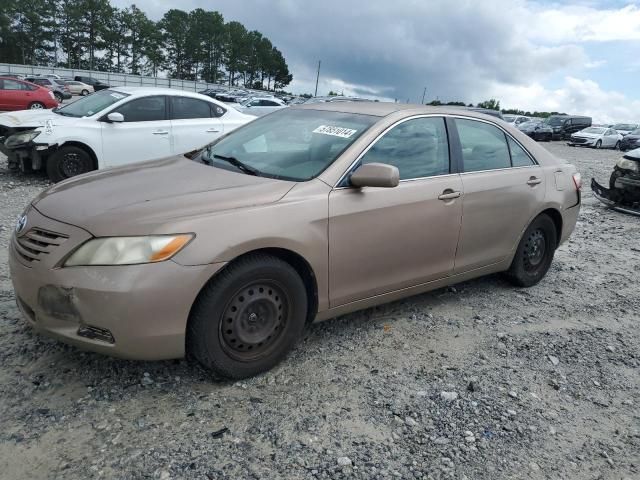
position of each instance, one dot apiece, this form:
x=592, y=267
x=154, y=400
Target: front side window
x=519, y=158
x=146, y=109
x=417, y=147
x=186, y=107
x=484, y=147
x=289, y=144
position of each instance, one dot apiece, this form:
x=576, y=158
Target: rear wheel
x=248, y=318
x=534, y=253
x=36, y=106
x=58, y=97
x=68, y=162
x=84, y=92
x=617, y=147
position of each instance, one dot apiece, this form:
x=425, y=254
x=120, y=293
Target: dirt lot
x=480, y=381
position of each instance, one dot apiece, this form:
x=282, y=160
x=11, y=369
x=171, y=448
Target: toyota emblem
x=21, y=223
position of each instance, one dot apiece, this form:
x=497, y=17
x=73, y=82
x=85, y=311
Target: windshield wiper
x=238, y=164
x=64, y=114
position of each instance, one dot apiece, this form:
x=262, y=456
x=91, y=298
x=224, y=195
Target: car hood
x=34, y=118
x=631, y=138
x=587, y=135
x=147, y=197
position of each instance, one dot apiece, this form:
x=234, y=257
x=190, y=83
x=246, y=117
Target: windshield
x=290, y=144
x=555, y=121
x=624, y=126
x=509, y=118
x=594, y=130
x=528, y=124
x=92, y=104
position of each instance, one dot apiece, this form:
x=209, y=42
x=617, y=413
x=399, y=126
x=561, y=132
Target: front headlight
x=21, y=138
x=626, y=164
x=128, y=250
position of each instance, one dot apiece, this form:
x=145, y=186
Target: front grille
x=36, y=243
x=578, y=140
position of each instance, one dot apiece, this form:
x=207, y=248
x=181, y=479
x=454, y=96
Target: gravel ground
x=479, y=381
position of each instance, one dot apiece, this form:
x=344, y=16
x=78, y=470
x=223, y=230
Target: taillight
x=577, y=181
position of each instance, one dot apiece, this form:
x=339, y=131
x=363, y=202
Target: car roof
x=143, y=91
x=382, y=109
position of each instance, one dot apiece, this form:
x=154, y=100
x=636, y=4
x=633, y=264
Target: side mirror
x=115, y=117
x=375, y=175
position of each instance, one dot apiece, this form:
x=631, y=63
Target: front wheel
x=598, y=144
x=534, y=253
x=36, y=106
x=58, y=97
x=248, y=318
x=68, y=162
x=617, y=146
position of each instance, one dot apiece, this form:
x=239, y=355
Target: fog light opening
x=96, y=333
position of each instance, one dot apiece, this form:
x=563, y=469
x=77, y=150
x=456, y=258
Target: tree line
x=94, y=35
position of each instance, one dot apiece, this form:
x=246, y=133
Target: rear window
x=186, y=107
x=484, y=147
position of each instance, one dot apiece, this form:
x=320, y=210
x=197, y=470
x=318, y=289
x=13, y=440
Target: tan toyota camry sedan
x=302, y=215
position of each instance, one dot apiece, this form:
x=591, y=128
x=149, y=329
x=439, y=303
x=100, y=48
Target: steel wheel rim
x=535, y=250
x=254, y=320
x=72, y=164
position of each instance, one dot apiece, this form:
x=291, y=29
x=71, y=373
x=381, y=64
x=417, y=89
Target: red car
x=19, y=95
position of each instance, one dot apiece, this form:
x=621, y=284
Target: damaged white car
x=113, y=127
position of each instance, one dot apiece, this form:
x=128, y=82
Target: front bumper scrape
x=605, y=196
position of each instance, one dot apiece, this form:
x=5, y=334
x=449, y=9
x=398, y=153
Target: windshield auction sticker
x=335, y=131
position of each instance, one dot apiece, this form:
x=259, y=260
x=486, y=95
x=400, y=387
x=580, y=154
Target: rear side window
x=13, y=85
x=484, y=147
x=519, y=158
x=146, y=109
x=418, y=148
x=185, y=107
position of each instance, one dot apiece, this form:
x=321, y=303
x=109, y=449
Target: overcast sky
x=579, y=56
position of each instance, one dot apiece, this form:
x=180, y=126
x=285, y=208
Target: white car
x=113, y=127
x=597, y=137
x=515, y=119
x=260, y=106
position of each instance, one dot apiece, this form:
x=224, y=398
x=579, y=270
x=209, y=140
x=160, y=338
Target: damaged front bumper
x=27, y=156
x=606, y=196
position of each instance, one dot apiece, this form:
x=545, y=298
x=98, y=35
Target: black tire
x=248, y=318
x=36, y=106
x=84, y=92
x=617, y=146
x=598, y=144
x=58, y=97
x=68, y=162
x=534, y=253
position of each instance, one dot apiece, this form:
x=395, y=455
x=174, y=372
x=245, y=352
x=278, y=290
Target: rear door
x=386, y=239
x=194, y=122
x=145, y=133
x=503, y=188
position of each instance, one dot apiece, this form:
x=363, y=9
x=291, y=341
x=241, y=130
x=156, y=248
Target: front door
x=503, y=187
x=145, y=133
x=386, y=239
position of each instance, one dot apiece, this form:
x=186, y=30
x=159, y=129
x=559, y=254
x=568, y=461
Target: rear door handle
x=449, y=195
x=213, y=130
x=534, y=181
x=161, y=132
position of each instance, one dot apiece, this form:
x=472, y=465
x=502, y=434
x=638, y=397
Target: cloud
x=465, y=50
x=576, y=96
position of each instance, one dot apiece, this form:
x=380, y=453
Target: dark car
x=12, y=75
x=564, y=125
x=537, y=130
x=60, y=91
x=631, y=141
x=96, y=84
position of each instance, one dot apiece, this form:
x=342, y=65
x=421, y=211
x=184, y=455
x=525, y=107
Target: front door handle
x=534, y=181
x=213, y=130
x=449, y=194
x=161, y=132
